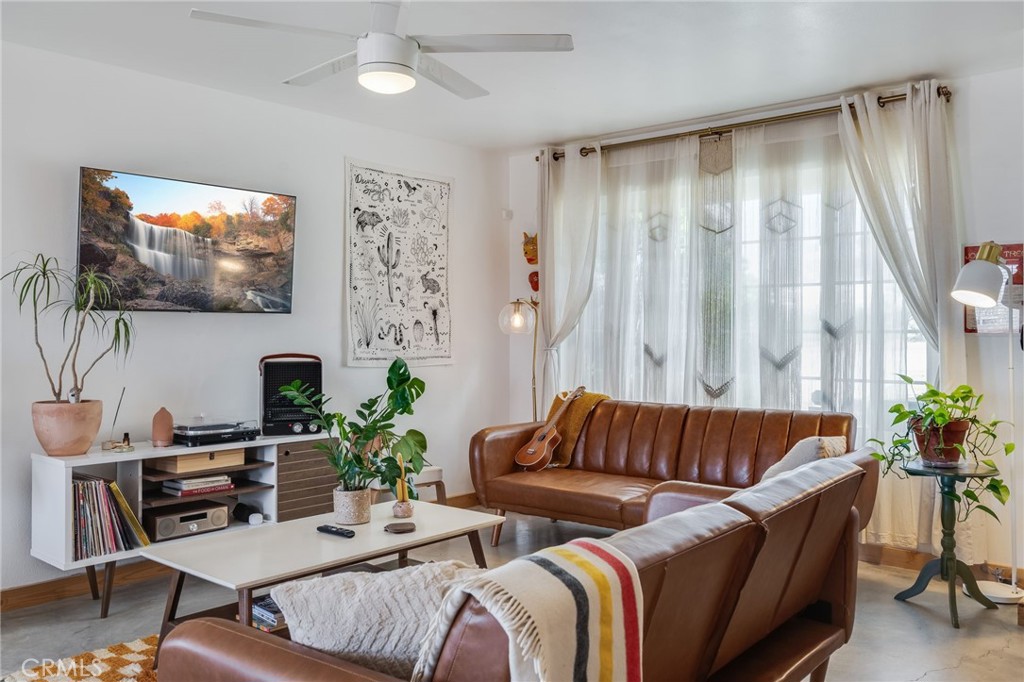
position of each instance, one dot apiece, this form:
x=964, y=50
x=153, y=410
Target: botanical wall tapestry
x=396, y=235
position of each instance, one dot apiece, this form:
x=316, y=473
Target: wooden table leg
x=403, y=559
x=90, y=572
x=496, y=531
x=170, y=610
x=245, y=606
x=478, y=549
x=108, y=587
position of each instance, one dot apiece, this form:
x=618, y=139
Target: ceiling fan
x=388, y=61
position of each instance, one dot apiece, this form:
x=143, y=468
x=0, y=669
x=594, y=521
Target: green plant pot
x=937, y=445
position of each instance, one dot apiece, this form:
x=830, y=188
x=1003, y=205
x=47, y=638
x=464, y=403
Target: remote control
x=337, y=530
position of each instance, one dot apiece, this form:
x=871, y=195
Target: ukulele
x=536, y=454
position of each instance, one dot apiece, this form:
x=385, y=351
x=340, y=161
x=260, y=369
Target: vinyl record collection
x=104, y=522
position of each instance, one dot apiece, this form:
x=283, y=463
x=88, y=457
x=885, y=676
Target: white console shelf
x=53, y=512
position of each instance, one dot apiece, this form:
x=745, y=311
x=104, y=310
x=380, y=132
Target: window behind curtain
x=739, y=270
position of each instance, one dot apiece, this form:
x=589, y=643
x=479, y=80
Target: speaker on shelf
x=278, y=415
x=190, y=518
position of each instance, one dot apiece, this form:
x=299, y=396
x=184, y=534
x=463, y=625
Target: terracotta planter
x=402, y=510
x=67, y=429
x=938, y=445
x=351, y=507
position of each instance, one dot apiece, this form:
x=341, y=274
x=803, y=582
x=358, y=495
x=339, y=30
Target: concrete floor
x=891, y=641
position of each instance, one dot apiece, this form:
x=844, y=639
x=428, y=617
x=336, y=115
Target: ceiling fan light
x=387, y=79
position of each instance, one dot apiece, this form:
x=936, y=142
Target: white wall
x=60, y=113
x=988, y=119
x=522, y=201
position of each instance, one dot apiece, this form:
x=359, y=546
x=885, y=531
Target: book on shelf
x=103, y=521
x=261, y=624
x=198, y=491
x=196, y=483
x=267, y=609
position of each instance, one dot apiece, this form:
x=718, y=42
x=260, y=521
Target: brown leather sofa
x=759, y=587
x=625, y=449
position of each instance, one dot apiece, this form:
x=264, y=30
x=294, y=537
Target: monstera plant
x=366, y=448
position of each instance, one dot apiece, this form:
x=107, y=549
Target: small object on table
x=402, y=509
x=163, y=428
x=399, y=528
x=336, y=530
x=126, y=444
x=947, y=565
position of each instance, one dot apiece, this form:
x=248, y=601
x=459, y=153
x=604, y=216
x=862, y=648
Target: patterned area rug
x=125, y=662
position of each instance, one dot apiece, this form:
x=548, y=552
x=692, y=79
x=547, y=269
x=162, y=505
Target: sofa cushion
x=568, y=491
x=807, y=450
x=805, y=513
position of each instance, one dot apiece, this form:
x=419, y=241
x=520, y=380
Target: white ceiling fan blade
x=497, y=42
x=448, y=78
x=328, y=68
x=270, y=25
x=384, y=16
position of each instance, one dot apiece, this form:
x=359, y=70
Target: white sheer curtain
x=899, y=158
x=569, y=195
x=632, y=339
x=742, y=277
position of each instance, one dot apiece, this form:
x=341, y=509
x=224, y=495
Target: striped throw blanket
x=586, y=587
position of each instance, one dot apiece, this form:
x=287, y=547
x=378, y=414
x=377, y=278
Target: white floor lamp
x=979, y=284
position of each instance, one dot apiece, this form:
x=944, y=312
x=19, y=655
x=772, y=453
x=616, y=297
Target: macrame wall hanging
x=838, y=274
x=780, y=310
x=715, y=244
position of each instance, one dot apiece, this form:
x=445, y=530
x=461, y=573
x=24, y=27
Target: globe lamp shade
x=516, y=318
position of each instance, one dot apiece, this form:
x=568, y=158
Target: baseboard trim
x=895, y=557
x=78, y=585
x=463, y=501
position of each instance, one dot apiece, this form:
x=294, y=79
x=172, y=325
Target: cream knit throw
x=377, y=620
x=571, y=613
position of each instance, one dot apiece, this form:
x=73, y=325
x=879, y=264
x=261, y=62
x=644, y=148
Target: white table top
x=280, y=551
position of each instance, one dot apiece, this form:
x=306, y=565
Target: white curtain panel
x=899, y=157
x=633, y=341
x=569, y=195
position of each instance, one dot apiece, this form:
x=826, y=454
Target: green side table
x=947, y=565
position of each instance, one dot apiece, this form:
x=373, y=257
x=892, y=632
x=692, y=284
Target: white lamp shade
x=387, y=79
x=979, y=284
x=517, y=317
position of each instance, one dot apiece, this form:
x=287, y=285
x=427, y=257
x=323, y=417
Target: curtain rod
x=942, y=91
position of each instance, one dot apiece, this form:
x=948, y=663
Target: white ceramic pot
x=67, y=429
x=351, y=507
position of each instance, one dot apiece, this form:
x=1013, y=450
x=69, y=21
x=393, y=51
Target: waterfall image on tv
x=176, y=245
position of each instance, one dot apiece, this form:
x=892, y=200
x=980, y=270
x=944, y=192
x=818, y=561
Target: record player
x=203, y=431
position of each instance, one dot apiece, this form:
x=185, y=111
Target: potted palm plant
x=367, y=448
x=943, y=428
x=68, y=424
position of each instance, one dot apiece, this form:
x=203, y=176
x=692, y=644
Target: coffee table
x=275, y=553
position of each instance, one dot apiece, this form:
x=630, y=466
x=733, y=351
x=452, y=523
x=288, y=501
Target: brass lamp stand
x=521, y=317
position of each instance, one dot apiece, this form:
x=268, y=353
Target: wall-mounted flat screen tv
x=187, y=246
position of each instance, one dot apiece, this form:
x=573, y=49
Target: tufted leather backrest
x=715, y=445
x=805, y=513
x=692, y=565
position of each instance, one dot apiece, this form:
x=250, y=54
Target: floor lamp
x=520, y=317
x=979, y=284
